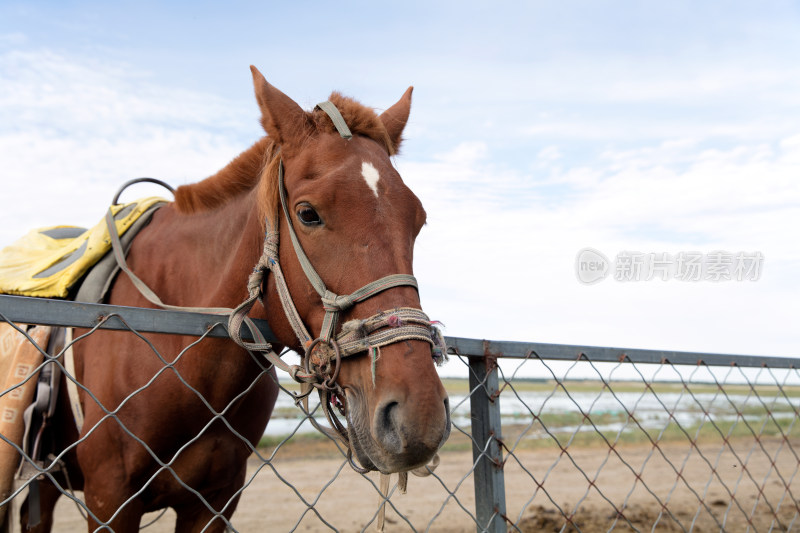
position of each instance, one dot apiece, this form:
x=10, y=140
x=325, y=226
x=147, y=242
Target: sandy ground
x=713, y=492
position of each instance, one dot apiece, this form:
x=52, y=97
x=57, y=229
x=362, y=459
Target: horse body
x=199, y=252
x=192, y=260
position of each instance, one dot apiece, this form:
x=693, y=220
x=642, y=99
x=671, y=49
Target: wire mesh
x=638, y=447
x=585, y=446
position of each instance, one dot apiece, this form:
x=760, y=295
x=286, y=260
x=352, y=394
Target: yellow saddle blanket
x=46, y=262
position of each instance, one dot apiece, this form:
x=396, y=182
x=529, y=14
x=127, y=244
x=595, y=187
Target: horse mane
x=257, y=167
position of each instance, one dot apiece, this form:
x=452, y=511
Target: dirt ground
x=668, y=489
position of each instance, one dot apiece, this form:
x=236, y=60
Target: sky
x=538, y=130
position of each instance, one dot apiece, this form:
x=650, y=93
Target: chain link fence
x=545, y=438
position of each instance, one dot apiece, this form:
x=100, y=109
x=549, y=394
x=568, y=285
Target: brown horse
x=356, y=221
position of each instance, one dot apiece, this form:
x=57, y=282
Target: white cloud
x=13, y=39
x=626, y=96
x=496, y=259
x=549, y=154
x=80, y=96
x=466, y=153
x=72, y=131
x=508, y=271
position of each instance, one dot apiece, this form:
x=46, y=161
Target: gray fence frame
x=482, y=356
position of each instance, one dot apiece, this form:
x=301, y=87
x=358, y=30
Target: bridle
x=323, y=354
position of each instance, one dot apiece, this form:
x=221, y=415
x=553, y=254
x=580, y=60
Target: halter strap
x=334, y=303
x=337, y=118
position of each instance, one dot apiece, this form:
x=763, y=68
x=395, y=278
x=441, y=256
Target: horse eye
x=308, y=216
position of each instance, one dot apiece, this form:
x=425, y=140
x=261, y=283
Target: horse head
x=346, y=214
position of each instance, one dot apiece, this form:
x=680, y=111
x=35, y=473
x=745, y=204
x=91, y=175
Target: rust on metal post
x=487, y=441
x=490, y=359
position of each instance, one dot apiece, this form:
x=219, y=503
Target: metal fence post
x=490, y=492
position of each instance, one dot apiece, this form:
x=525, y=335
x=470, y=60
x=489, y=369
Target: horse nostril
x=446, y=431
x=388, y=430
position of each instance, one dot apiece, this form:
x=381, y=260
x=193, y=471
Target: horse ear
x=394, y=119
x=283, y=120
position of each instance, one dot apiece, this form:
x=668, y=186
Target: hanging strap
x=148, y=293
x=72, y=387
x=236, y=317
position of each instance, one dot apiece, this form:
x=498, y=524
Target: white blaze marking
x=371, y=176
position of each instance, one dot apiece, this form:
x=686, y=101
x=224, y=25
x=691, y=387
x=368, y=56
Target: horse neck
x=222, y=247
x=202, y=259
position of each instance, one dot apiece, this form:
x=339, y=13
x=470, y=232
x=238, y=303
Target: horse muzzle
x=400, y=434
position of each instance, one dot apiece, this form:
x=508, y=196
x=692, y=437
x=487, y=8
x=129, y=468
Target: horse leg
x=196, y=517
x=125, y=521
x=48, y=496
x=194, y=522
x=110, y=507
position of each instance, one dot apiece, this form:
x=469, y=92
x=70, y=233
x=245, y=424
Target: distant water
x=651, y=411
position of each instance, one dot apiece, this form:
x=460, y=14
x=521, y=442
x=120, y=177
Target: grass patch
x=307, y=446
x=535, y=437
x=461, y=387
x=300, y=446
x=525, y=432
x=766, y=392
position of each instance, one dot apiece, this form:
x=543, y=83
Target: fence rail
x=586, y=439
x=50, y=312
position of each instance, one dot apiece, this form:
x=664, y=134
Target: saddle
x=49, y=262
x=61, y=262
